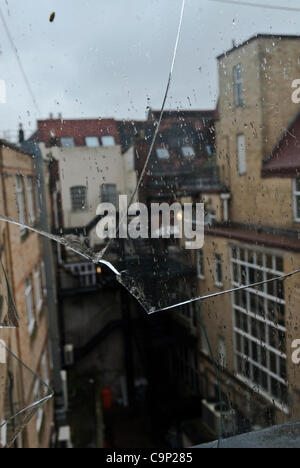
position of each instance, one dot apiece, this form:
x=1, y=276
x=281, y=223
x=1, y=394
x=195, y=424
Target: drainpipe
x=51, y=298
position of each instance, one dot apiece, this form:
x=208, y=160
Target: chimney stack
x=21, y=134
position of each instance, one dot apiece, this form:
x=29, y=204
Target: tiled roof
x=284, y=161
x=76, y=128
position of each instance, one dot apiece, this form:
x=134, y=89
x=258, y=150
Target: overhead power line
x=15, y=50
x=257, y=5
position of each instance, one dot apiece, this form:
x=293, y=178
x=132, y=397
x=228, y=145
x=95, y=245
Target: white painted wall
x=91, y=167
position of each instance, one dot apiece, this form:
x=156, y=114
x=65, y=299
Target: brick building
x=254, y=237
x=22, y=258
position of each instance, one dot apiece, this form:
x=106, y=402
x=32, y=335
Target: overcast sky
x=109, y=57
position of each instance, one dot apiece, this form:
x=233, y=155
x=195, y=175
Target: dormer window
x=162, y=153
x=188, y=151
x=92, y=142
x=67, y=142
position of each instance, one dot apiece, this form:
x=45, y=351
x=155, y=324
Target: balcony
x=183, y=180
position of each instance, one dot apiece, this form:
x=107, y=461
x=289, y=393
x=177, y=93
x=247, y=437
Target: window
x=92, y=142
x=44, y=282
x=108, y=141
x=67, y=142
x=38, y=290
x=186, y=366
x=79, y=198
x=259, y=322
x=30, y=305
x=30, y=200
x=222, y=354
x=241, y=152
x=218, y=271
x=162, y=153
x=204, y=343
x=210, y=150
x=21, y=202
x=297, y=200
x=45, y=367
x=40, y=411
x=238, y=85
x=109, y=194
x=3, y=434
x=37, y=196
x=188, y=152
x=200, y=264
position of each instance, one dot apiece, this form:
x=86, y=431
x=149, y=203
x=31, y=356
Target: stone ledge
x=284, y=436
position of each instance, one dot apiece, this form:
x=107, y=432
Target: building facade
x=254, y=239
x=23, y=260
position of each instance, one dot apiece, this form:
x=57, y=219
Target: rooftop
x=254, y=38
x=51, y=129
x=284, y=160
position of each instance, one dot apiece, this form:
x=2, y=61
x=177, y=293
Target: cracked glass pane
x=8, y=312
x=166, y=226
x=20, y=408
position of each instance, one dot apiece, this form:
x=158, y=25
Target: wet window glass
x=149, y=223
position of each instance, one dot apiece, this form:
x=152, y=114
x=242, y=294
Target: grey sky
x=107, y=57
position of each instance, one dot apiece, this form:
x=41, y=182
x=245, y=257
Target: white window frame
x=30, y=199
x=45, y=367
x=21, y=202
x=38, y=289
x=200, y=265
x=247, y=337
x=3, y=433
x=44, y=282
x=238, y=85
x=296, y=195
x=218, y=261
x=241, y=154
x=40, y=411
x=30, y=305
